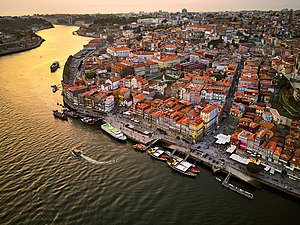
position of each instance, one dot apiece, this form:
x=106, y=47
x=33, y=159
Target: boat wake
x=99, y=162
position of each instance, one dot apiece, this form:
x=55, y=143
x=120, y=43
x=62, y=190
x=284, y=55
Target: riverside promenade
x=139, y=133
x=208, y=156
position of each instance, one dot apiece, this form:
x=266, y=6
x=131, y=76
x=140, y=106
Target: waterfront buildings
x=178, y=79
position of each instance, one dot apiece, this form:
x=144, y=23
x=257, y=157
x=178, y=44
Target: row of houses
x=176, y=116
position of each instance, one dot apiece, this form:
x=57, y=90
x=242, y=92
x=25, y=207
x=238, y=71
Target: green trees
x=67, y=72
x=90, y=74
x=139, y=37
x=110, y=39
x=253, y=168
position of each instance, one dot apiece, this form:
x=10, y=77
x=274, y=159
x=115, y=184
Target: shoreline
x=24, y=49
x=13, y=51
x=188, y=151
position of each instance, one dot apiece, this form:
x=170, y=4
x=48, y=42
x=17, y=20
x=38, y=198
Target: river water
x=41, y=182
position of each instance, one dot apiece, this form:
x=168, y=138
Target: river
x=41, y=182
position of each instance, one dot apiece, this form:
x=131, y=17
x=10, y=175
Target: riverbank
x=208, y=157
x=22, y=49
x=26, y=43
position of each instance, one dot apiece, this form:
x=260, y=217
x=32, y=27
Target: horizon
x=30, y=7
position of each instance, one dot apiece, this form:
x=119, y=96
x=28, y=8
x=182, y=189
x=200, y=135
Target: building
x=121, y=52
x=210, y=116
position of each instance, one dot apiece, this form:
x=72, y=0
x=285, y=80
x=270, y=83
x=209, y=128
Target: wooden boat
x=183, y=167
x=139, y=147
x=59, y=115
x=157, y=153
x=70, y=113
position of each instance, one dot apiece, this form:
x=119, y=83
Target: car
x=136, y=121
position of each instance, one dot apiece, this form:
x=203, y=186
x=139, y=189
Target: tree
x=110, y=39
x=253, y=168
x=90, y=74
x=181, y=74
x=139, y=37
x=67, y=71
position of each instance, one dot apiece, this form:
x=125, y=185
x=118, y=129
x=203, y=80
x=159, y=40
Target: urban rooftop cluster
x=177, y=72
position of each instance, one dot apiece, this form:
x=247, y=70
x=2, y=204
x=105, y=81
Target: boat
x=194, y=169
x=158, y=153
x=218, y=179
x=76, y=152
x=115, y=132
x=191, y=167
x=183, y=167
x=54, y=88
x=60, y=115
x=70, y=113
x=54, y=66
x=140, y=147
x=89, y=120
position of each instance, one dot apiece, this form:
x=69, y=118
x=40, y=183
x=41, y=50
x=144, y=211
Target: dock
x=226, y=184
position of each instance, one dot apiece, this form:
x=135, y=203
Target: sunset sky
x=22, y=7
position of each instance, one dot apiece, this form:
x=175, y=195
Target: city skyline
x=19, y=7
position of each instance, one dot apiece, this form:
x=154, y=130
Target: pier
x=226, y=183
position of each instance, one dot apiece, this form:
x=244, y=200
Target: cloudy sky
x=22, y=7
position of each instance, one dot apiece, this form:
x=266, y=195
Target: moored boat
x=54, y=88
x=182, y=167
x=115, y=132
x=218, y=179
x=75, y=151
x=54, y=66
x=60, y=115
x=194, y=169
x=158, y=153
x=70, y=113
x=139, y=147
x=89, y=120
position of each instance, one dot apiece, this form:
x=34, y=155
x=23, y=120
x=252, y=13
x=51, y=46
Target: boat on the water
x=70, y=113
x=54, y=66
x=54, y=88
x=75, y=151
x=218, y=179
x=60, y=115
x=89, y=120
x=183, y=167
x=115, y=132
x=158, y=153
x=140, y=147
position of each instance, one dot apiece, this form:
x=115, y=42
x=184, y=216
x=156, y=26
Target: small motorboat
x=54, y=66
x=139, y=147
x=218, y=179
x=194, y=169
x=76, y=152
x=54, y=88
x=60, y=115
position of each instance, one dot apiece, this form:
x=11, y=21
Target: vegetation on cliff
x=67, y=71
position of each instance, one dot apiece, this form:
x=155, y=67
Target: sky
x=28, y=7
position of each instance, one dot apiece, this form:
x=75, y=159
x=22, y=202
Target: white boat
x=115, y=132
